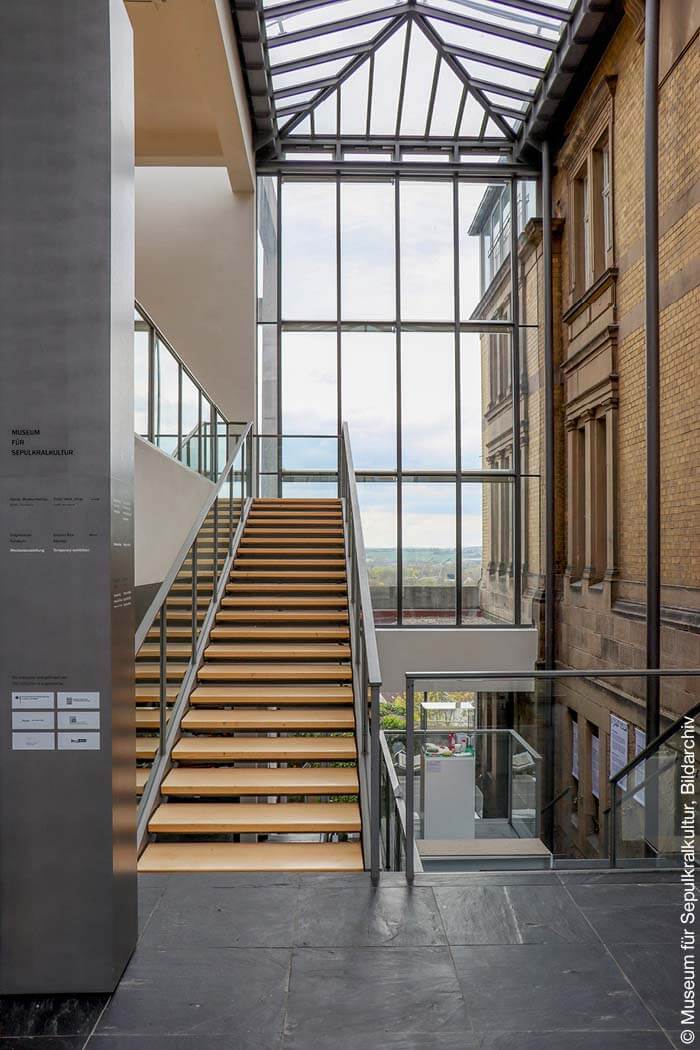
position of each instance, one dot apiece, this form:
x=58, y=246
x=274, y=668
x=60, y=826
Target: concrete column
x=67, y=739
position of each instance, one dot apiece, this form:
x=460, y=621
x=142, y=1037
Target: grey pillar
x=67, y=739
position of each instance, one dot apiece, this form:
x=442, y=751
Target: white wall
x=167, y=499
x=195, y=275
x=454, y=649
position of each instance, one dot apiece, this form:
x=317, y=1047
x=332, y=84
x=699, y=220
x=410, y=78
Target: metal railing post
x=194, y=596
x=375, y=786
x=163, y=680
x=215, y=562
x=410, y=785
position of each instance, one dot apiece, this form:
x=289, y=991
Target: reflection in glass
x=167, y=397
x=487, y=551
x=429, y=554
x=369, y=397
x=309, y=398
x=378, y=512
x=267, y=248
x=367, y=251
x=141, y=383
x=428, y=400
x=427, y=270
x=309, y=251
x=486, y=401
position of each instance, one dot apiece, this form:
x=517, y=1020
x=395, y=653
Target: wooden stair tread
x=241, y=817
x=146, y=747
x=142, y=776
x=271, y=694
x=277, y=651
x=275, y=547
x=271, y=616
x=289, y=718
x=286, y=574
x=150, y=671
x=150, y=694
x=291, y=602
x=289, y=564
x=249, y=856
x=148, y=718
x=280, y=633
x=276, y=672
x=182, y=650
x=265, y=749
x=257, y=588
x=237, y=780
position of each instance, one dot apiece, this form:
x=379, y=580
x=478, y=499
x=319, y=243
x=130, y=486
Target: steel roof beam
x=494, y=60
x=313, y=32
x=319, y=60
x=501, y=89
x=532, y=7
x=464, y=22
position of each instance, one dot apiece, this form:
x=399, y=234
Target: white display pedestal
x=448, y=797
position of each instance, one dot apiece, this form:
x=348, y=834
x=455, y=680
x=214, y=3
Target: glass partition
x=171, y=409
x=544, y=769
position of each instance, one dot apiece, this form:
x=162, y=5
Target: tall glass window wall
x=377, y=307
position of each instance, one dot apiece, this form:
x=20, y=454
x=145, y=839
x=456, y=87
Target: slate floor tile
x=652, y=895
x=624, y=876
x=163, y=1042
x=567, y=1040
x=635, y=925
x=235, y=992
x=150, y=891
x=535, y=987
x=208, y=916
x=373, y=994
x=49, y=1015
x=655, y=972
x=48, y=1042
x=343, y=916
x=511, y=915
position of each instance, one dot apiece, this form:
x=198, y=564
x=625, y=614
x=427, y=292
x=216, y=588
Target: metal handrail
x=164, y=589
x=365, y=663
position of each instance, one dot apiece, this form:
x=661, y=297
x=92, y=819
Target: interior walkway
x=533, y=961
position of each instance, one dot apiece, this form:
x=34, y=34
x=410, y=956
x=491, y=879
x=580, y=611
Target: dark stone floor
x=503, y=961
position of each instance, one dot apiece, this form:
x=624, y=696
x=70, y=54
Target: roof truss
x=496, y=51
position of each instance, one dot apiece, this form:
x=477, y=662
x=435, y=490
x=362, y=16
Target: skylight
x=451, y=74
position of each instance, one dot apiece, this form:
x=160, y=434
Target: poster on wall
x=574, y=750
x=595, y=766
x=618, y=747
x=640, y=742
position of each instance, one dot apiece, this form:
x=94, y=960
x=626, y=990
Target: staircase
x=264, y=773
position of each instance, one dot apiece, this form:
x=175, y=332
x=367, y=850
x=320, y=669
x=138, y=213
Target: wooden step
x=173, y=650
x=296, y=548
x=289, y=602
x=249, y=856
x=291, y=501
x=318, y=719
x=147, y=672
x=281, y=616
x=305, y=576
x=221, y=818
x=146, y=747
x=275, y=672
x=172, y=632
x=283, y=589
x=148, y=718
x=280, y=633
x=288, y=565
x=225, y=781
x=278, y=651
x=142, y=776
x=264, y=749
x=150, y=694
x=277, y=695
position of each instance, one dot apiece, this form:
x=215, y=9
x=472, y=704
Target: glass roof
x=371, y=74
